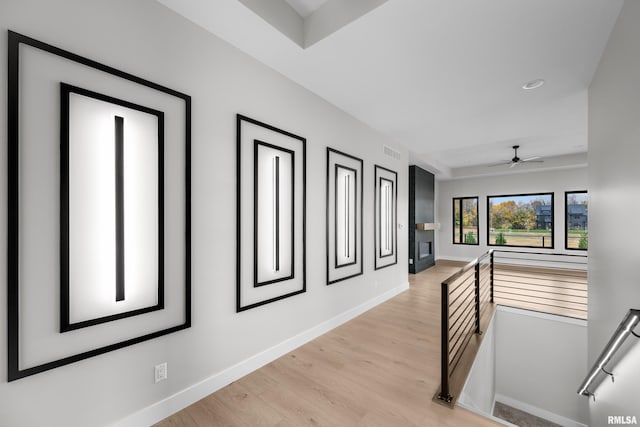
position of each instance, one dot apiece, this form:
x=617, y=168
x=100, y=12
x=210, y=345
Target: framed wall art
x=386, y=217
x=99, y=208
x=344, y=216
x=271, y=210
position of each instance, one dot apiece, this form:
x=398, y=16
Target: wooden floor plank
x=380, y=369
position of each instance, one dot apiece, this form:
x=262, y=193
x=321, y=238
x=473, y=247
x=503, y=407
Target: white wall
x=480, y=388
x=146, y=39
x=540, y=362
x=614, y=184
x=556, y=181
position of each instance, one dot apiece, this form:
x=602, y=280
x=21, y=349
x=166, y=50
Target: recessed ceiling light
x=533, y=84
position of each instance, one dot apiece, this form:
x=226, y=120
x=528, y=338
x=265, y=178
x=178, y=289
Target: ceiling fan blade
x=515, y=164
x=531, y=158
x=506, y=162
x=533, y=161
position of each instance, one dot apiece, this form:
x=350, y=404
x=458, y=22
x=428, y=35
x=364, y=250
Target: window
x=576, y=220
x=465, y=220
x=521, y=220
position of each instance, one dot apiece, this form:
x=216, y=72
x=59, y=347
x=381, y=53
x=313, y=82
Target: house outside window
x=576, y=220
x=520, y=220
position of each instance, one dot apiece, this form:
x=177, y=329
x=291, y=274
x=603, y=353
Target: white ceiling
x=443, y=78
x=305, y=7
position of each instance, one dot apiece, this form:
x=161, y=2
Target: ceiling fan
x=517, y=160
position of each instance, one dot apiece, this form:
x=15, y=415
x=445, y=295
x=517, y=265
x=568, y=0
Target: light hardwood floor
x=380, y=369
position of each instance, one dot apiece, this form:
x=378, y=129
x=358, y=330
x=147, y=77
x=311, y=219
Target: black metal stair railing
x=466, y=296
x=544, y=282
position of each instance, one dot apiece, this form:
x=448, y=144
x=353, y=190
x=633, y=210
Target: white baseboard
x=172, y=404
x=538, y=412
x=454, y=258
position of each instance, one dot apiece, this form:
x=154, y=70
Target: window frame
x=553, y=220
x=566, y=220
x=453, y=222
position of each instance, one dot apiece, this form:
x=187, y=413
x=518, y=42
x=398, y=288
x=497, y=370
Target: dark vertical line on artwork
x=336, y=244
x=346, y=216
x=238, y=208
x=256, y=233
x=119, y=140
x=13, y=210
x=389, y=218
x=277, y=216
x=160, y=253
x=64, y=207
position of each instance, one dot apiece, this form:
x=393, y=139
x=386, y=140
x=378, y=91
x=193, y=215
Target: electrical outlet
x=410, y=260
x=161, y=372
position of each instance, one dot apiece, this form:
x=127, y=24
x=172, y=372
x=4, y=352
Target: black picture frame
x=355, y=201
x=65, y=324
x=240, y=307
x=14, y=372
x=332, y=264
x=256, y=144
x=392, y=176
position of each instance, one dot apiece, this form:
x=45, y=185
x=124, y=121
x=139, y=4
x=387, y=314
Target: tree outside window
x=522, y=220
x=465, y=220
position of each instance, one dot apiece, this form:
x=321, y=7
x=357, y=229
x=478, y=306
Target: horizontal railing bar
x=485, y=281
x=459, y=355
x=541, y=283
x=465, y=321
x=520, y=272
x=459, y=321
x=542, y=270
x=531, y=287
x=582, y=287
x=541, y=303
x=461, y=297
x=453, y=298
x=466, y=268
x=461, y=311
x=554, y=261
x=484, y=294
x=539, y=265
x=464, y=292
x=461, y=284
x=500, y=291
x=460, y=340
x=498, y=251
x=544, y=283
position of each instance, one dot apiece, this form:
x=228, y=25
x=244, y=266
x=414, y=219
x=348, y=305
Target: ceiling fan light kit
x=533, y=84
